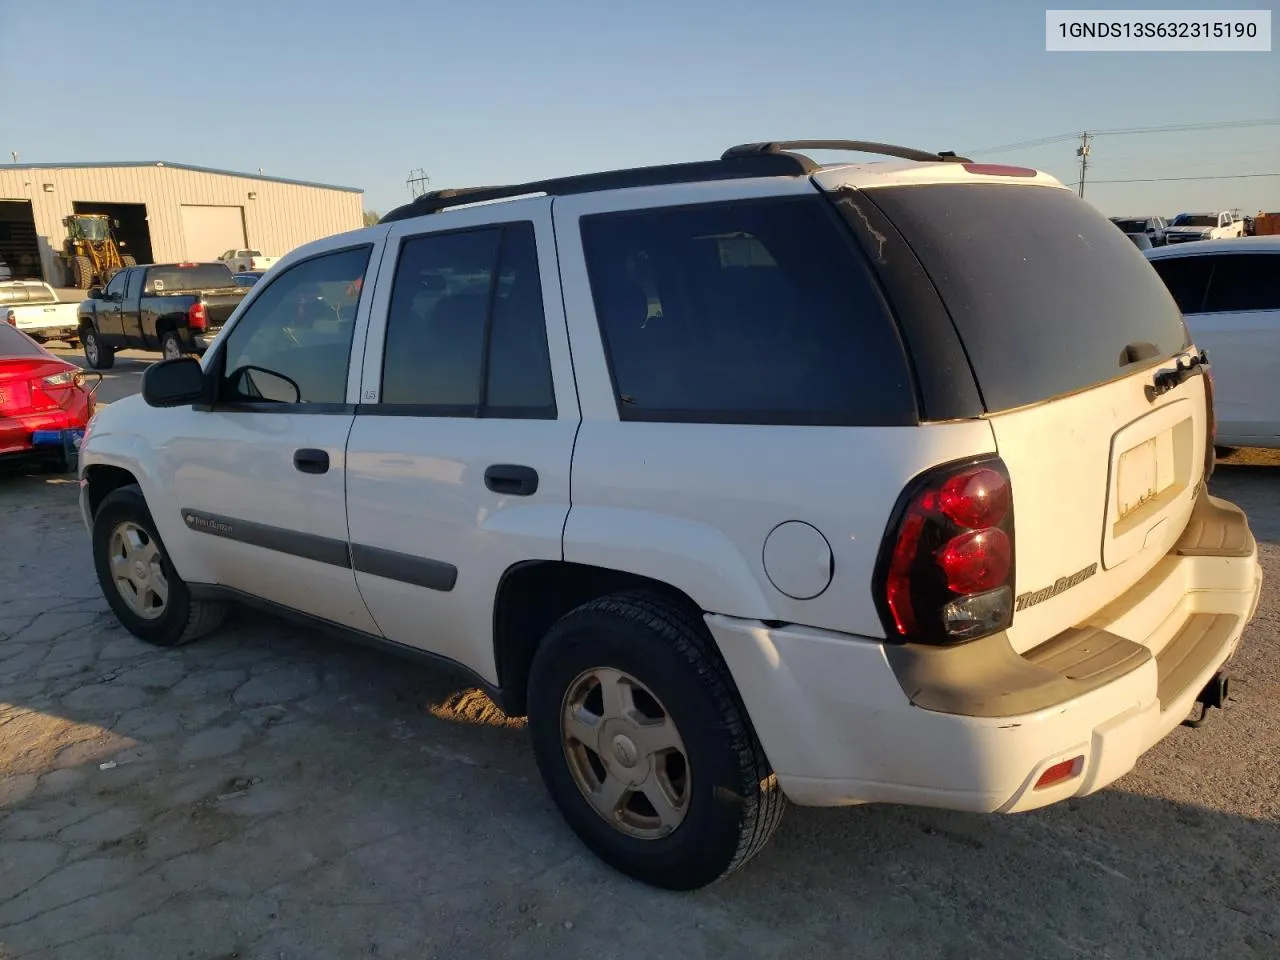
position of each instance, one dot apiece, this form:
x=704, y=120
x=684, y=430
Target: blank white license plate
x=1145, y=471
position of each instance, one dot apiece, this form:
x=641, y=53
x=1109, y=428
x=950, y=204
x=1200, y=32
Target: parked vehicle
x=246, y=261
x=33, y=307
x=1204, y=226
x=175, y=308
x=1152, y=227
x=44, y=404
x=1229, y=293
x=248, y=279
x=799, y=407
x=91, y=253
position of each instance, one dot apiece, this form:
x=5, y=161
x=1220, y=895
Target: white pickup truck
x=1204, y=226
x=35, y=309
x=243, y=261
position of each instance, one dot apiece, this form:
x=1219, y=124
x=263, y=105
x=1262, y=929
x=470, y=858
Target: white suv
x=744, y=480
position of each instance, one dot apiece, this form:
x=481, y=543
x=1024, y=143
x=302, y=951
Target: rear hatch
x=1065, y=326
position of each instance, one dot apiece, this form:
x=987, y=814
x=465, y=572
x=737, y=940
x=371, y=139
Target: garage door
x=211, y=231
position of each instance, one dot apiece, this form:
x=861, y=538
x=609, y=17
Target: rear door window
x=757, y=311
x=1243, y=282
x=1187, y=279
x=1046, y=294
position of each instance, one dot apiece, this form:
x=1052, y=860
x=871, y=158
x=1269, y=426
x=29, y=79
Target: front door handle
x=309, y=460
x=512, y=479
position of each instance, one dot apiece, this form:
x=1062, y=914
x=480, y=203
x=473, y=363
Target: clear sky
x=360, y=93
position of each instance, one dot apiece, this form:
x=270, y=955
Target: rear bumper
x=16, y=433
x=846, y=721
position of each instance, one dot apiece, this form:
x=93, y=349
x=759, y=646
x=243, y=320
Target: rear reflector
x=1060, y=773
x=999, y=170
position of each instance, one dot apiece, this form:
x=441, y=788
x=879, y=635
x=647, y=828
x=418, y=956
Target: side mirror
x=173, y=383
x=95, y=293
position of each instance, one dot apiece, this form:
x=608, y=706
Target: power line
x=1128, y=131
x=1221, y=176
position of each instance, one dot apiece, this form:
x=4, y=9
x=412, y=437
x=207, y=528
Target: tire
x=82, y=273
x=128, y=260
x=96, y=353
x=179, y=619
x=730, y=802
x=171, y=345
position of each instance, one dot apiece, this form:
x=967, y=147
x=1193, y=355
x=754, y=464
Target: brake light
x=1211, y=424
x=946, y=568
x=11, y=318
x=197, y=318
x=999, y=170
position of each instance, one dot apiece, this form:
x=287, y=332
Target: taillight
x=1211, y=424
x=946, y=568
x=68, y=378
x=197, y=318
x=11, y=318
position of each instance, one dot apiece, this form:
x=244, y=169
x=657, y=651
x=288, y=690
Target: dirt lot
x=269, y=794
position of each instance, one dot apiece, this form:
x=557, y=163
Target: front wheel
x=140, y=585
x=96, y=353
x=645, y=746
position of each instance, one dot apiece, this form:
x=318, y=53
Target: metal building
x=165, y=212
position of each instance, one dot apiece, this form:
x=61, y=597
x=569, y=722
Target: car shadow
x=272, y=790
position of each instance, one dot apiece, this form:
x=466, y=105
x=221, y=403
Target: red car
x=43, y=401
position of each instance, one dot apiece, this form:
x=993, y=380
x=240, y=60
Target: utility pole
x=1082, y=152
x=417, y=182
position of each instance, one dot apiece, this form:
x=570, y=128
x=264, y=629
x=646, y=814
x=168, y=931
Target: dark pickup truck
x=175, y=308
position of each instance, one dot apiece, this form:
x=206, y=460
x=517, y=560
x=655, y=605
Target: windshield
x=1195, y=220
x=1047, y=296
x=198, y=276
x=91, y=228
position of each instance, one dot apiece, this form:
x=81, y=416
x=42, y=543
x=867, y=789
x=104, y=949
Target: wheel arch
x=532, y=595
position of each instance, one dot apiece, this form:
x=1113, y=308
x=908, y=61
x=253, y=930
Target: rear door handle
x=512, y=478
x=309, y=460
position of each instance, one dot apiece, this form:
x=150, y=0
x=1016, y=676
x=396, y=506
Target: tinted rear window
x=1046, y=294
x=203, y=276
x=14, y=343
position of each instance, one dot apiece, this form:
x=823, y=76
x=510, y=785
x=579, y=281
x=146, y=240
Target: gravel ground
x=269, y=793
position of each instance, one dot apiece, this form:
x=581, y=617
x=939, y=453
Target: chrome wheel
x=625, y=753
x=91, y=349
x=171, y=349
x=137, y=569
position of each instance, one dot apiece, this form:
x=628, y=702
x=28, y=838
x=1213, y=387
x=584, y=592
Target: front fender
x=693, y=557
x=125, y=449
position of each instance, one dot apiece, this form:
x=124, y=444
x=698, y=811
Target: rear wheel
x=96, y=353
x=171, y=345
x=82, y=272
x=144, y=591
x=645, y=746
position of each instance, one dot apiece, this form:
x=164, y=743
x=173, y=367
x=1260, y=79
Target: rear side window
x=466, y=334
x=744, y=312
x=1046, y=294
x=1187, y=279
x=1243, y=282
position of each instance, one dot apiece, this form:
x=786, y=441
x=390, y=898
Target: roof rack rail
x=761, y=164
x=784, y=147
